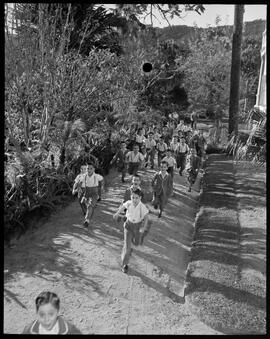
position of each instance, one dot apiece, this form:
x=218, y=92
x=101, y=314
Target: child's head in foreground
x=47, y=307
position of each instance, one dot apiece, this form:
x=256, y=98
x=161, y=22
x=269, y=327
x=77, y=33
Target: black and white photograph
x=134, y=169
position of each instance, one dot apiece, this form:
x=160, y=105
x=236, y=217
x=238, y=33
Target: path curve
x=83, y=268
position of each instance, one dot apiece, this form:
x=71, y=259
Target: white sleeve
x=141, y=157
x=144, y=210
x=77, y=179
x=127, y=203
x=99, y=177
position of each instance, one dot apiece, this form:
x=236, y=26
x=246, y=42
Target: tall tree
x=235, y=69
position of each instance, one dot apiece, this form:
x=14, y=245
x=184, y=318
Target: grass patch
x=220, y=288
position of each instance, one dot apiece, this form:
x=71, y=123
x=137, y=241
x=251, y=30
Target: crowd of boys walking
x=174, y=146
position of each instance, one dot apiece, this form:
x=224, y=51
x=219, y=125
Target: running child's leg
x=161, y=204
x=99, y=190
x=126, y=251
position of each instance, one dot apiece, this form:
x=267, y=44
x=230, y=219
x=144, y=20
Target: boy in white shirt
x=171, y=162
x=135, y=160
x=79, y=186
x=161, y=149
x=92, y=182
x=182, y=152
x=140, y=138
x=135, y=226
x=174, y=145
x=156, y=135
x=150, y=145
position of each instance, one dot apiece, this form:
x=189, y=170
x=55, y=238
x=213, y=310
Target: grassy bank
x=225, y=280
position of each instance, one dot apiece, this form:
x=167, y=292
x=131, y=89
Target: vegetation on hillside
x=74, y=86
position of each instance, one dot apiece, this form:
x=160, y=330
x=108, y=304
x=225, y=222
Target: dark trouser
x=90, y=199
x=193, y=124
x=159, y=200
x=82, y=204
x=131, y=236
x=170, y=171
x=150, y=153
x=123, y=169
x=133, y=167
x=161, y=155
x=181, y=161
x=140, y=145
x=99, y=189
x=192, y=175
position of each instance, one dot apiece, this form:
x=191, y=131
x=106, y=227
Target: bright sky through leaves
x=208, y=18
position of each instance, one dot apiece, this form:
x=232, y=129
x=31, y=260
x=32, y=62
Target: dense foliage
x=74, y=85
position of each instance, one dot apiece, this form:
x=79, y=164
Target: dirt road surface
x=83, y=268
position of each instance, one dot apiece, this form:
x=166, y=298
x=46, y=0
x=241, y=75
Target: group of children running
x=176, y=146
x=180, y=145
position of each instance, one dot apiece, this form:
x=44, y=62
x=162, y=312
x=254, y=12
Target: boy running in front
x=135, y=225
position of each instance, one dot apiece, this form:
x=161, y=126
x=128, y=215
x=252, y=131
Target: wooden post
x=235, y=69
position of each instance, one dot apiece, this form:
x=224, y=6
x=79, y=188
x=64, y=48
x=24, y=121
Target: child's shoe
x=86, y=223
x=124, y=268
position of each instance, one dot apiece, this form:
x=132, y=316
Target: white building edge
x=261, y=92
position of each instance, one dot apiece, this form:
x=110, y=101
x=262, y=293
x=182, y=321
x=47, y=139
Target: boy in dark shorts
x=120, y=160
x=162, y=184
x=193, y=167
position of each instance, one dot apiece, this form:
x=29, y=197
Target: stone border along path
x=83, y=268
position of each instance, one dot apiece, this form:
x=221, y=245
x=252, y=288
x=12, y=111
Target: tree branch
x=163, y=13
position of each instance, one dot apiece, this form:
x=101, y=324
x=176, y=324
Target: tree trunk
x=235, y=69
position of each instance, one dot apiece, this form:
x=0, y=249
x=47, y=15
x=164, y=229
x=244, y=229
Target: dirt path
x=83, y=268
